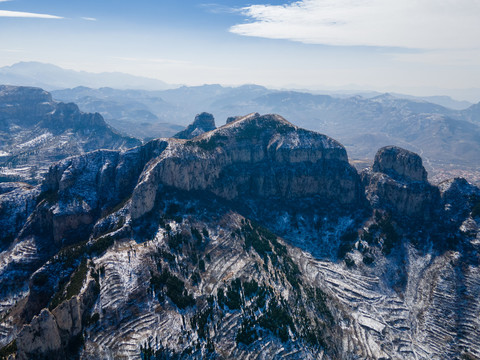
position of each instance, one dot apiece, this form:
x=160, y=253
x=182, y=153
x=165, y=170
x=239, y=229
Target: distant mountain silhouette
x=49, y=77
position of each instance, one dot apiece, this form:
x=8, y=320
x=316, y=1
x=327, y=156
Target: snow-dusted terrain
x=36, y=131
x=256, y=240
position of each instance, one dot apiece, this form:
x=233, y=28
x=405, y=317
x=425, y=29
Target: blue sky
x=410, y=45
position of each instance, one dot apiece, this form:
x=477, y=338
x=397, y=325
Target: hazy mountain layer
x=52, y=77
x=142, y=114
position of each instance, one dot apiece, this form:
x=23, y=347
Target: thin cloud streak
x=89, y=18
x=416, y=24
x=219, y=9
x=21, y=14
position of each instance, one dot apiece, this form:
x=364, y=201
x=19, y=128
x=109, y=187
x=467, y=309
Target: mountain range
x=448, y=140
x=446, y=137
x=256, y=239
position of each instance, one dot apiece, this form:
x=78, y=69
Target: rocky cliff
x=398, y=183
x=36, y=131
x=256, y=239
x=399, y=164
x=253, y=157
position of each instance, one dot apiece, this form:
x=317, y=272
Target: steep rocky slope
x=17, y=201
x=254, y=240
x=36, y=131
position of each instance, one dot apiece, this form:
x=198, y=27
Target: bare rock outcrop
x=399, y=163
x=25, y=104
x=54, y=334
x=398, y=182
x=41, y=337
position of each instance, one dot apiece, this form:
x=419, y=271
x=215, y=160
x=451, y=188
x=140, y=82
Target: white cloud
x=89, y=18
x=421, y=24
x=21, y=14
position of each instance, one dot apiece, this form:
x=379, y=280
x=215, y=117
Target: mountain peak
x=256, y=156
x=275, y=133
x=399, y=164
x=253, y=125
x=262, y=120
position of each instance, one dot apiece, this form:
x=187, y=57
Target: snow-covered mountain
x=256, y=239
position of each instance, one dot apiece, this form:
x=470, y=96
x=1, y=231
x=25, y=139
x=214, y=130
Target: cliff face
x=17, y=201
x=58, y=334
x=172, y=249
x=24, y=103
x=36, y=131
x=254, y=157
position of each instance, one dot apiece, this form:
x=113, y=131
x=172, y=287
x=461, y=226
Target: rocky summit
x=36, y=131
x=400, y=164
x=252, y=158
x=203, y=122
x=256, y=239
